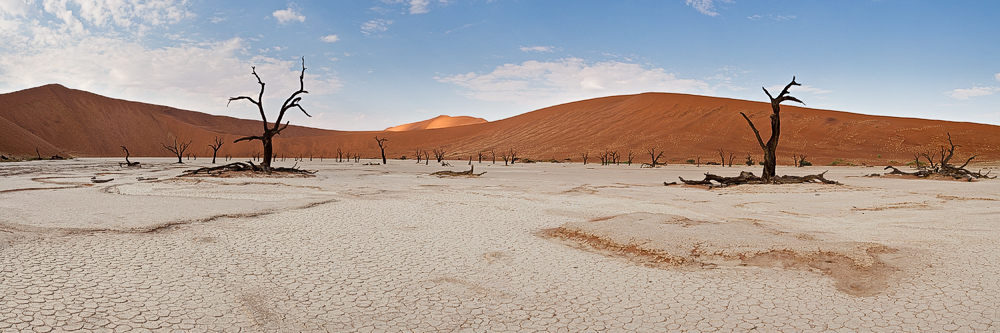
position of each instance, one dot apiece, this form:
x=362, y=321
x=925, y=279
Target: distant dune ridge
x=68, y=122
x=437, y=122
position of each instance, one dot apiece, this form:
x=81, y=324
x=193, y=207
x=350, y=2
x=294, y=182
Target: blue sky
x=378, y=63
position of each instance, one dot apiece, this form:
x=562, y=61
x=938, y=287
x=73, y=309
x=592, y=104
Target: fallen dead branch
x=448, y=173
x=747, y=177
x=245, y=167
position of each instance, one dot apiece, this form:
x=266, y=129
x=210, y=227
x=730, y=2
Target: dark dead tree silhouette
x=267, y=138
x=177, y=149
x=439, y=154
x=127, y=162
x=939, y=164
x=420, y=155
x=771, y=147
x=215, y=148
x=654, y=158
x=381, y=146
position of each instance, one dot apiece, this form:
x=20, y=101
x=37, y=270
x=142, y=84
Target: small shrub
x=840, y=161
x=691, y=161
x=805, y=163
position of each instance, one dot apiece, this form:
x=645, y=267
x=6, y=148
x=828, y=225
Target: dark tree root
x=244, y=167
x=746, y=177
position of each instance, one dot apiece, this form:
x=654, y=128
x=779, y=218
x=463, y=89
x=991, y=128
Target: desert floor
x=392, y=248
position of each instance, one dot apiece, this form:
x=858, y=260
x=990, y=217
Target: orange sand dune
x=437, y=122
x=70, y=122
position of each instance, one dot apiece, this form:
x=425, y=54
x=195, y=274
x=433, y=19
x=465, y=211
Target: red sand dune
x=437, y=122
x=58, y=120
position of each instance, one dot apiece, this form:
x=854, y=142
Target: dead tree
x=481, y=154
x=942, y=165
x=722, y=157
x=731, y=158
x=749, y=161
x=493, y=153
x=585, y=156
x=127, y=162
x=631, y=156
x=269, y=132
x=513, y=155
x=381, y=146
x=505, y=157
x=420, y=155
x=770, y=148
x=215, y=148
x=177, y=149
x=654, y=158
x=439, y=154
x=800, y=161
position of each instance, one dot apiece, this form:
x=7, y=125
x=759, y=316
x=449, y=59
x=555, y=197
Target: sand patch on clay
x=665, y=240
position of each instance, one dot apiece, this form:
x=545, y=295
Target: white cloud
x=772, y=17
x=964, y=94
x=997, y=76
x=330, y=38
x=374, y=27
x=537, y=49
x=129, y=15
x=87, y=48
x=14, y=7
x=194, y=76
x=545, y=83
x=706, y=7
x=416, y=6
x=419, y=6
x=289, y=14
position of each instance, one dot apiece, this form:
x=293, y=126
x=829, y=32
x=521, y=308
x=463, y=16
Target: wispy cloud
x=706, y=7
x=772, y=17
x=111, y=58
x=547, y=49
x=330, y=38
x=287, y=15
x=545, y=83
x=964, y=94
x=419, y=6
x=374, y=27
x=803, y=89
x=415, y=6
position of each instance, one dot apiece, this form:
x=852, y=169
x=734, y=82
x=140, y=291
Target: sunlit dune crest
x=442, y=121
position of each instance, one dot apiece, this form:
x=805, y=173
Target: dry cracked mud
x=390, y=248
